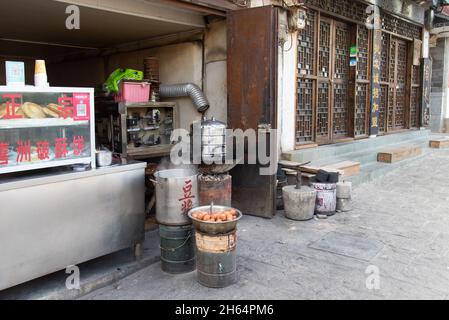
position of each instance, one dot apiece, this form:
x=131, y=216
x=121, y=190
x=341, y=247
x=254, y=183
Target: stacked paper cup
x=40, y=74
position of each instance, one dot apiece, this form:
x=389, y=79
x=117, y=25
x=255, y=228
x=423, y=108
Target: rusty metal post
x=216, y=189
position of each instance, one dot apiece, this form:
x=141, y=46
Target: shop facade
x=354, y=79
x=354, y=70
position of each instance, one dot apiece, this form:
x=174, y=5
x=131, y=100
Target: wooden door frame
x=334, y=81
x=328, y=79
x=331, y=82
x=407, y=85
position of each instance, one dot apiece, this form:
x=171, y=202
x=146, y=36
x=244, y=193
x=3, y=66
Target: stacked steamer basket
x=151, y=74
x=216, y=244
x=215, y=221
x=176, y=194
x=215, y=183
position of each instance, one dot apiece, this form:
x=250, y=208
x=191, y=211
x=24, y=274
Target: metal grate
x=414, y=107
x=306, y=47
x=363, y=54
x=400, y=27
x=362, y=93
x=325, y=49
x=383, y=106
x=304, y=118
x=322, y=110
x=340, y=118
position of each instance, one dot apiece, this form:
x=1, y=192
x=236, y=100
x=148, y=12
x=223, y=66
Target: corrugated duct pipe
x=186, y=90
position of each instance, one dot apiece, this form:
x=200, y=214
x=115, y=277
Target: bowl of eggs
x=215, y=219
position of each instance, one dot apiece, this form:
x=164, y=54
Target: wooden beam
x=439, y=143
x=397, y=154
x=349, y=168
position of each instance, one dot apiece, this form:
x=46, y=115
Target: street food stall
x=57, y=208
x=62, y=203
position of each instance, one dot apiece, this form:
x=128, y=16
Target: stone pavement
x=399, y=226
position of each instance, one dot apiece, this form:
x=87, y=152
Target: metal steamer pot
x=176, y=194
x=212, y=136
x=213, y=140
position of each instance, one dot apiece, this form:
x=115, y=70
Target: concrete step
x=364, y=151
x=367, y=156
x=342, y=149
x=374, y=170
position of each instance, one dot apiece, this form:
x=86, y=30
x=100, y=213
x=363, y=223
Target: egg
x=201, y=215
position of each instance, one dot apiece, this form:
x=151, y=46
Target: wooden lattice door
x=394, y=111
x=333, y=118
x=323, y=108
x=400, y=83
x=340, y=83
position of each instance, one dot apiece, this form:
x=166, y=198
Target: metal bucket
x=326, y=198
x=177, y=248
x=216, y=259
x=176, y=194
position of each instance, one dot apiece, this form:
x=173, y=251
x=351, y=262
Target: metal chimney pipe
x=186, y=90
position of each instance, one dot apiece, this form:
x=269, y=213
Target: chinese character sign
x=186, y=200
x=375, y=96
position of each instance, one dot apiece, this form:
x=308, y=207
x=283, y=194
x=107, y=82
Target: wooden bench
x=345, y=168
x=349, y=168
x=439, y=143
x=398, y=154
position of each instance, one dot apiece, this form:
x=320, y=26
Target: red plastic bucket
x=133, y=92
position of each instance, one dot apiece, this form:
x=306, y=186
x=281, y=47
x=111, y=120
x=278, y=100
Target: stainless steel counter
x=51, y=221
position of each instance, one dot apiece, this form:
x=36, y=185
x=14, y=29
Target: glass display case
x=46, y=127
